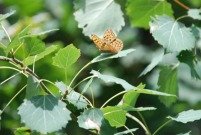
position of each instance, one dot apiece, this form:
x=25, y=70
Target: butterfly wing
x=109, y=36
x=97, y=41
x=115, y=46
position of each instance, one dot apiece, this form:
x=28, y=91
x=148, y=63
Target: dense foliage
x=53, y=79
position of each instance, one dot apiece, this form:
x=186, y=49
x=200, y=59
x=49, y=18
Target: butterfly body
x=109, y=42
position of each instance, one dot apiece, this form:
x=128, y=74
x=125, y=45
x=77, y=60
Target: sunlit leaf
x=127, y=131
x=22, y=131
x=34, y=46
x=44, y=114
x=2, y=34
x=172, y=35
x=195, y=13
x=115, y=115
x=15, y=42
x=95, y=13
x=189, y=58
x=187, y=116
x=153, y=63
x=91, y=119
x=39, y=34
x=168, y=83
x=32, y=88
x=31, y=59
x=61, y=86
x=130, y=98
x=188, y=133
x=66, y=56
x=77, y=100
x=2, y=50
x=105, y=56
x=108, y=78
x=4, y=16
x=140, y=11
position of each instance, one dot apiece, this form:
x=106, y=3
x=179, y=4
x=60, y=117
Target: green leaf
x=87, y=85
x=77, y=100
x=39, y=34
x=195, y=13
x=23, y=131
x=140, y=11
x=187, y=116
x=115, y=115
x=2, y=50
x=34, y=46
x=32, y=88
x=190, y=59
x=106, y=56
x=66, y=56
x=25, y=31
x=15, y=42
x=4, y=16
x=127, y=131
x=153, y=63
x=31, y=59
x=91, y=119
x=172, y=35
x=93, y=14
x=168, y=83
x=130, y=98
x=44, y=114
x=106, y=128
x=108, y=78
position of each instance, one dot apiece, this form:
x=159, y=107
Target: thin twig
x=181, y=4
x=27, y=69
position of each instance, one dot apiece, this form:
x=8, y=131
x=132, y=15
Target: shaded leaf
x=130, y=98
x=32, y=88
x=77, y=100
x=87, y=86
x=102, y=12
x=195, y=13
x=127, y=131
x=66, y=56
x=106, y=129
x=31, y=59
x=190, y=59
x=187, y=116
x=91, y=119
x=115, y=115
x=168, y=83
x=153, y=63
x=44, y=114
x=172, y=35
x=140, y=11
x=4, y=16
x=108, y=78
x=105, y=56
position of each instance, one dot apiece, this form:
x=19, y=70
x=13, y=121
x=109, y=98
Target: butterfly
x=109, y=42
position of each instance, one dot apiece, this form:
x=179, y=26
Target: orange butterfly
x=109, y=42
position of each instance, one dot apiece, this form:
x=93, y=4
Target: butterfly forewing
x=109, y=43
x=109, y=36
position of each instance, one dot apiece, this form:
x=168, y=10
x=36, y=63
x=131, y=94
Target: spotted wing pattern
x=109, y=42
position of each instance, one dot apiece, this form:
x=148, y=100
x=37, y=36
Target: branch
x=26, y=69
x=181, y=4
